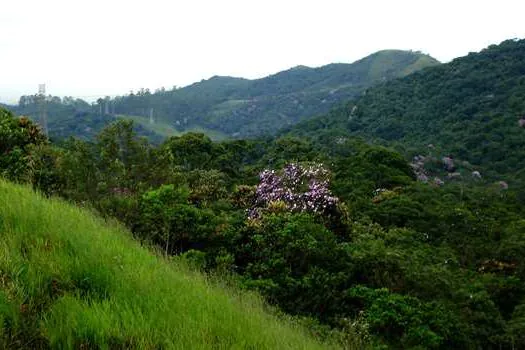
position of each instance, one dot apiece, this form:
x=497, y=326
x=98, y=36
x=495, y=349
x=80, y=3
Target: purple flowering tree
x=301, y=188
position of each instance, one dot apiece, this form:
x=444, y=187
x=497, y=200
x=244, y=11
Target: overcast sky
x=108, y=47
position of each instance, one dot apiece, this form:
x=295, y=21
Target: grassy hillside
x=69, y=280
x=469, y=109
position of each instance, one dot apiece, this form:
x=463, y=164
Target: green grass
x=158, y=127
x=419, y=64
x=70, y=280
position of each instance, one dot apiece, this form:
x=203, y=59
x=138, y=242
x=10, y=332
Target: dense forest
x=225, y=106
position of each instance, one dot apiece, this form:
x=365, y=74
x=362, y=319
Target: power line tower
x=107, y=100
x=42, y=107
x=151, y=120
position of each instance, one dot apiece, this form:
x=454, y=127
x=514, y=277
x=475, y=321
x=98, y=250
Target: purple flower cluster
x=301, y=188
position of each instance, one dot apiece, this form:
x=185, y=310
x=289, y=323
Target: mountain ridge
x=246, y=108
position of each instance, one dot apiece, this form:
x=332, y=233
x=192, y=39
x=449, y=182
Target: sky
x=93, y=48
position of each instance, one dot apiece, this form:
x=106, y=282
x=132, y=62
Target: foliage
x=294, y=260
x=17, y=135
x=167, y=218
x=406, y=321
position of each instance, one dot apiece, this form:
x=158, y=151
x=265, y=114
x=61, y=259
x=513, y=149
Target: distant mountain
x=244, y=108
x=227, y=106
x=472, y=109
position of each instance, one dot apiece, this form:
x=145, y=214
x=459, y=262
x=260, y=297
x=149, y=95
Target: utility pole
x=100, y=102
x=42, y=107
x=106, y=105
x=151, y=120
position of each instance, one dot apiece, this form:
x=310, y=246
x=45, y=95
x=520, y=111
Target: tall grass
x=70, y=280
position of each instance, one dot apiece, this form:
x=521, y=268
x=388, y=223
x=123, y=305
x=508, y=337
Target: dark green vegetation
x=226, y=106
x=469, y=109
x=391, y=263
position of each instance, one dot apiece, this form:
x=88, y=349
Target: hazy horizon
x=80, y=48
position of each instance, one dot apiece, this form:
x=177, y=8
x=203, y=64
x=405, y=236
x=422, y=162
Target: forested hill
x=472, y=109
x=243, y=108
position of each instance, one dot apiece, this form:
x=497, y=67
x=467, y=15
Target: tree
x=16, y=137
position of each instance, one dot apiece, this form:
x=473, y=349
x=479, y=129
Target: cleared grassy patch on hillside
x=215, y=135
x=165, y=130
x=70, y=280
x=158, y=127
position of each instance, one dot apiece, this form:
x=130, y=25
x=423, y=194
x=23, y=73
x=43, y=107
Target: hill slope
x=244, y=108
x=67, y=280
x=469, y=108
